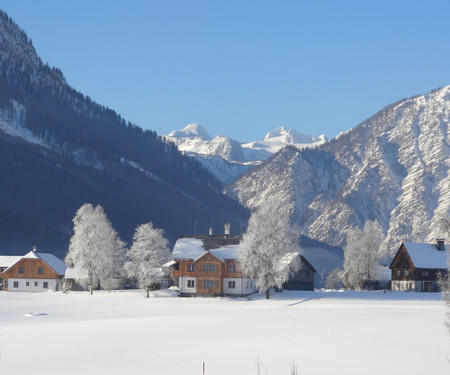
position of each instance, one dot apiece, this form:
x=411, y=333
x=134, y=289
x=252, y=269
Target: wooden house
x=416, y=266
x=6, y=261
x=208, y=265
x=34, y=272
x=303, y=278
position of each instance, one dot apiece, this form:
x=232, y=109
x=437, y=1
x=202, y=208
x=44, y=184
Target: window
x=425, y=273
x=208, y=268
x=191, y=268
x=209, y=284
x=35, y=283
x=40, y=270
x=398, y=273
x=232, y=269
x=21, y=270
x=45, y=286
x=231, y=284
x=191, y=283
x=16, y=284
x=176, y=266
x=406, y=272
x=27, y=283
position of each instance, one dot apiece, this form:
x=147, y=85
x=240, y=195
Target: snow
x=122, y=332
x=9, y=260
x=226, y=252
x=425, y=255
x=188, y=248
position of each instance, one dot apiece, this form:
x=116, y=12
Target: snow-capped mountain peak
x=193, y=130
x=292, y=136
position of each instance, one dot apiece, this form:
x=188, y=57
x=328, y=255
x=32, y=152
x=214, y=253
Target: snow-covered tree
x=95, y=251
x=334, y=279
x=146, y=256
x=269, y=238
x=362, y=254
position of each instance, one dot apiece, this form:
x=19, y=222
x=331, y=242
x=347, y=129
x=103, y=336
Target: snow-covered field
x=125, y=333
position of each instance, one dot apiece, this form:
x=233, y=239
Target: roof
x=226, y=252
x=8, y=260
x=193, y=247
x=75, y=273
x=53, y=262
x=426, y=255
x=188, y=248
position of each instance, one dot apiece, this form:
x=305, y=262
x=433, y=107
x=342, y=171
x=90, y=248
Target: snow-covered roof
x=53, y=262
x=426, y=255
x=383, y=273
x=194, y=248
x=287, y=260
x=226, y=252
x=8, y=260
x=75, y=273
x=188, y=248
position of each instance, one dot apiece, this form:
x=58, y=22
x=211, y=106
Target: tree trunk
x=148, y=292
x=267, y=293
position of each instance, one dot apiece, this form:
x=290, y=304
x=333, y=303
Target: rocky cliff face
x=393, y=168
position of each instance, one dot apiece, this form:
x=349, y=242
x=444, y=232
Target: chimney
x=227, y=229
x=210, y=231
x=440, y=244
x=34, y=248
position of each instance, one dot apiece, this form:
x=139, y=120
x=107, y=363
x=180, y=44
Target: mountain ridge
x=393, y=168
x=86, y=152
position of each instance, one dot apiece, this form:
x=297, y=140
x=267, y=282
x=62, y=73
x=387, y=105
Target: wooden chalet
x=416, y=266
x=33, y=272
x=208, y=265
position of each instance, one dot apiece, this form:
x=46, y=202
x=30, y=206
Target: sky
x=243, y=68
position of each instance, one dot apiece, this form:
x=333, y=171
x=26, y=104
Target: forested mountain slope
x=393, y=168
x=59, y=149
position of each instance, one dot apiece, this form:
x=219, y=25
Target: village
x=208, y=265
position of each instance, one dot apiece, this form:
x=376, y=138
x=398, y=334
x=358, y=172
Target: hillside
x=60, y=150
x=393, y=168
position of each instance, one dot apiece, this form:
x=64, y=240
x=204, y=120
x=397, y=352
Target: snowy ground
x=125, y=333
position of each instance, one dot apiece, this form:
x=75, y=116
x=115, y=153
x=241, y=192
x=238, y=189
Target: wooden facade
x=303, y=279
x=407, y=276
x=33, y=272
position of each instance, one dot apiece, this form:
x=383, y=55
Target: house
x=33, y=272
x=6, y=261
x=208, y=265
x=303, y=278
x=416, y=266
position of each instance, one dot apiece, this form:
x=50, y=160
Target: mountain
x=59, y=149
x=393, y=168
x=279, y=138
x=228, y=159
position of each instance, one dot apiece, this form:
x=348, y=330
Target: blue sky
x=242, y=68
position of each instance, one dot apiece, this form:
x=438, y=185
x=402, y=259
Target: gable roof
x=426, y=255
x=53, y=262
x=193, y=247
